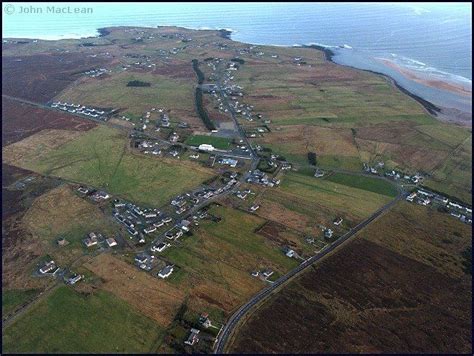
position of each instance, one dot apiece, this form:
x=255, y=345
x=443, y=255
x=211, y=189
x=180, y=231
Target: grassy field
x=101, y=158
x=218, y=142
x=350, y=116
x=13, y=298
x=374, y=185
x=217, y=260
x=172, y=94
x=70, y=322
x=303, y=202
x=61, y=213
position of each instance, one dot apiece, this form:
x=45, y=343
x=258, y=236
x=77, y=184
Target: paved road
x=264, y=293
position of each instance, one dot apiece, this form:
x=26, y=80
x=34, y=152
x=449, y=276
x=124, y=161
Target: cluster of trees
x=238, y=60
x=199, y=73
x=312, y=158
x=138, y=83
x=202, y=111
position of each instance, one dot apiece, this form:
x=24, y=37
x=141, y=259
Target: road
x=264, y=293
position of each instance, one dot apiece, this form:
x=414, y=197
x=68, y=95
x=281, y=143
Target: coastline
x=435, y=83
x=445, y=114
x=449, y=115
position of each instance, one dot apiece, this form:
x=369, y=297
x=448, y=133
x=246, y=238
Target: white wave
x=321, y=45
x=432, y=72
x=347, y=46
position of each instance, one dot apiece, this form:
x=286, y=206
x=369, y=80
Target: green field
x=303, y=203
x=173, y=94
x=13, y=298
x=70, y=322
x=102, y=158
x=218, y=259
x=221, y=143
x=374, y=185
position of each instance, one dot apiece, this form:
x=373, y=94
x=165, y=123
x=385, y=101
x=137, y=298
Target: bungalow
x=167, y=220
x=205, y=321
x=184, y=225
x=290, y=253
x=328, y=233
x=160, y=247
x=267, y=273
x=75, y=279
x=111, y=242
x=141, y=259
x=166, y=272
x=159, y=223
x=132, y=231
x=254, y=207
x=149, y=230
x=48, y=267
x=411, y=196
x=91, y=241
x=83, y=190
x=193, y=338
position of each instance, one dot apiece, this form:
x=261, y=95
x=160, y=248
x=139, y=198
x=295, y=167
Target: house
x=62, y=241
x=149, y=230
x=229, y=161
x=411, y=196
x=166, y=272
x=48, y=267
x=184, y=225
x=83, y=190
x=204, y=320
x=159, y=223
x=111, y=242
x=255, y=273
x=310, y=239
x=338, y=221
x=193, y=337
x=290, y=253
x=195, y=156
x=254, y=207
x=328, y=233
x=102, y=195
x=141, y=259
x=75, y=279
x=91, y=240
x=160, y=247
x=318, y=173
x=267, y=273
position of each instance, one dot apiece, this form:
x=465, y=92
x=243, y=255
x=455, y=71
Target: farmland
x=377, y=294
x=303, y=202
x=70, y=322
x=170, y=93
x=402, y=284
x=13, y=298
x=216, y=262
x=102, y=158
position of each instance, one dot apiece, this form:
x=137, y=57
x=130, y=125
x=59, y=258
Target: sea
x=425, y=47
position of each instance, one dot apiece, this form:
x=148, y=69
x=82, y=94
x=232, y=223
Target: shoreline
x=429, y=106
x=444, y=114
x=451, y=115
x=434, y=83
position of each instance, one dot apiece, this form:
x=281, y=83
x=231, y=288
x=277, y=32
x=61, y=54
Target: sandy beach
x=434, y=83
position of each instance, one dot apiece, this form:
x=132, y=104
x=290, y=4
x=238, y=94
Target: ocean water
x=430, y=40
